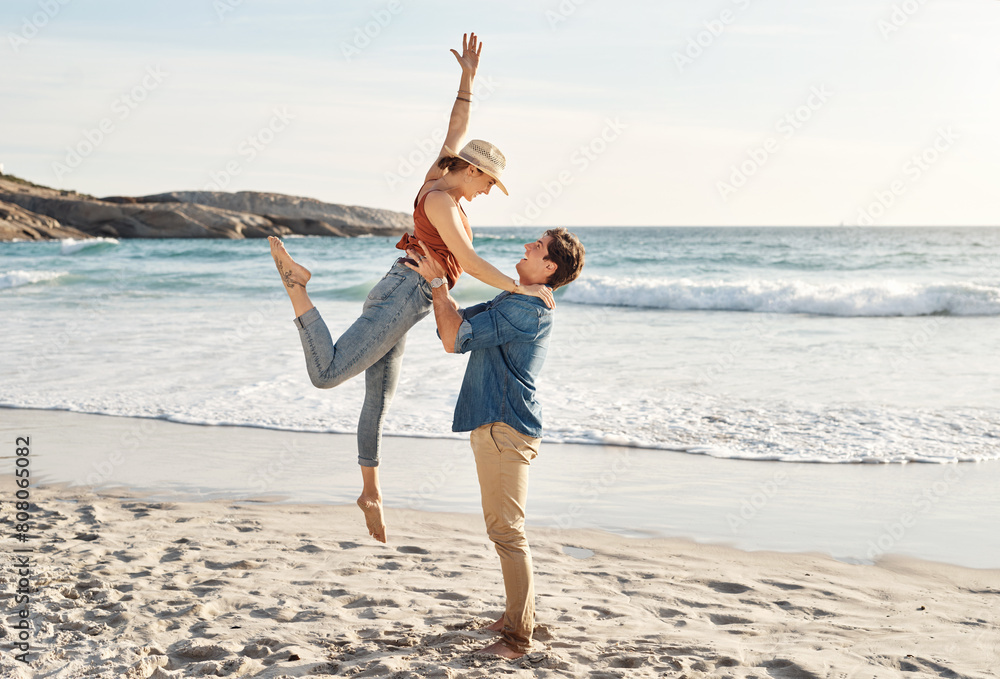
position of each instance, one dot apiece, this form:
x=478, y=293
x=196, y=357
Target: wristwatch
x=438, y=282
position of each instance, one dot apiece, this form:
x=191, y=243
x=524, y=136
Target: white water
x=790, y=296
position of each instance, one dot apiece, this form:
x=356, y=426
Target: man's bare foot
x=501, y=649
x=372, y=507
x=496, y=626
x=292, y=274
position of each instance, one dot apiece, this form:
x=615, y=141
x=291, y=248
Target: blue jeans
x=374, y=343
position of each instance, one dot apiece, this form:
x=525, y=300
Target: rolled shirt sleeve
x=465, y=314
x=463, y=336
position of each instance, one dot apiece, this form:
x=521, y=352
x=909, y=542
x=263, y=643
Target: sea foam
x=71, y=246
x=881, y=298
x=14, y=279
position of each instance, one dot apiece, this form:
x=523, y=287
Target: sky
x=642, y=113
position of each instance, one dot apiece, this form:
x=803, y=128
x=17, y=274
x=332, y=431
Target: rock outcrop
x=350, y=219
x=16, y=223
x=32, y=212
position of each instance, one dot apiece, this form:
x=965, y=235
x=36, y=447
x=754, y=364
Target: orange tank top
x=426, y=233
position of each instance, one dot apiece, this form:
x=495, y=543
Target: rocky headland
x=32, y=212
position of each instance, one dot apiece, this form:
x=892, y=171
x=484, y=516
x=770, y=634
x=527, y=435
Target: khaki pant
x=502, y=458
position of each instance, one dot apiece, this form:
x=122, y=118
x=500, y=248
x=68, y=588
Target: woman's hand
x=543, y=292
x=469, y=58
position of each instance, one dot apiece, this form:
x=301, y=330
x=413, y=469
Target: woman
x=375, y=342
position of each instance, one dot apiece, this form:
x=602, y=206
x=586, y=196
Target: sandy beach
x=123, y=585
x=129, y=588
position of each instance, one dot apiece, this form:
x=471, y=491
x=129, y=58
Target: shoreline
x=854, y=513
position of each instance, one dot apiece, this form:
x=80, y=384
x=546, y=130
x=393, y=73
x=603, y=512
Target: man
x=507, y=340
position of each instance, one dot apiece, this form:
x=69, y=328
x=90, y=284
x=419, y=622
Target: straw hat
x=484, y=156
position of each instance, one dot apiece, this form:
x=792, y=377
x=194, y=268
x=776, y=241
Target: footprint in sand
x=173, y=554
x=728, y=587
x=782, y=585
x=578, y=552
x=405, y=549
x=243, y=565
x=542, y=633
x=628, y=661
x=198, y=650
x=603, y=613
x=452, y=596
x=718, y=619
x=372, y=602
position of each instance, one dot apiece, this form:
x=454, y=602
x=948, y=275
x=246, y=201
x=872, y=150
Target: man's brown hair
x=566, y=250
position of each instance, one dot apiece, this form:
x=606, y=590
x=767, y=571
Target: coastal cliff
x=32, y=212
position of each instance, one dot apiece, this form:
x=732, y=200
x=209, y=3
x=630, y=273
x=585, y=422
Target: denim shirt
x=506, y=340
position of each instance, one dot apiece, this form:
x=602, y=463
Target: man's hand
x=427, y=266
x=446, y=312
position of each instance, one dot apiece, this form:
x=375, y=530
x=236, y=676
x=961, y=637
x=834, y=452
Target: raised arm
x=458, y=124
x=443, y=213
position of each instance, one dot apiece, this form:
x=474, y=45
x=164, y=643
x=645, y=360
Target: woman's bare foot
x=372, y=507
x=292, y=274
x=501, y=649
x=496, y=626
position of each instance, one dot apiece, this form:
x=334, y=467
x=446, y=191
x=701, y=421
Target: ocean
x=827, y=345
